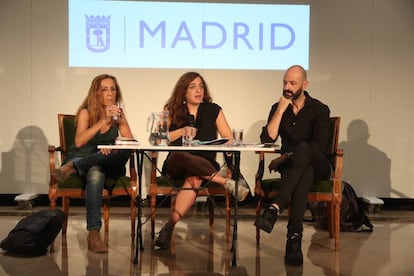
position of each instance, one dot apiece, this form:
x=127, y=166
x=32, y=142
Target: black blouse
x=206, y=128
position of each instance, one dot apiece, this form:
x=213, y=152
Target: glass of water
x=188, y=135
x=237, y=136
x=119, y=105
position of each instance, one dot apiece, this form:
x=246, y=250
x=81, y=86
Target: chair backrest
x=67, y=131
x=334, y=135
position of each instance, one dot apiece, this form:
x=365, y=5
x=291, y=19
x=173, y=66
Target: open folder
x=218, y=141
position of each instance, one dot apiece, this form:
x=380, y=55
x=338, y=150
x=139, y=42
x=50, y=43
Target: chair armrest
x=153, y=175
x=52, y=163
x=259, y=173
x=52, y=192
x=260, y=170
x=337, y=175
x=132, y=174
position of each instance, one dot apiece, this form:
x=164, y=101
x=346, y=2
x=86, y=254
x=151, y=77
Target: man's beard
x=292, y=95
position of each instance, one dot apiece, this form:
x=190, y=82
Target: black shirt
x=311, y=125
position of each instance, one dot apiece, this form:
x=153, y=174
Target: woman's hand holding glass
x=113, y=112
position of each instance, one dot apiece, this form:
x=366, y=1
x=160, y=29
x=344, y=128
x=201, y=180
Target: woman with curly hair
x=190, y=107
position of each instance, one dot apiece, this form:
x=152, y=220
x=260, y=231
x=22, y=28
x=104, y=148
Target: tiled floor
x=197, y=251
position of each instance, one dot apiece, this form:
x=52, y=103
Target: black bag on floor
x=353, y=217
x=33, y=234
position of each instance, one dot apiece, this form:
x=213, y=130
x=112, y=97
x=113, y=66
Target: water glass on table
x=237, y=136
x=188, y=136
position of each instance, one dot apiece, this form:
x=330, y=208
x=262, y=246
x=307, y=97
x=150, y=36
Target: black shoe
x=164, y=238
x=293, y=255
x=268, y=219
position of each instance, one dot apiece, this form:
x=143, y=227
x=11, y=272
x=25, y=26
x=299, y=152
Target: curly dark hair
x=176, y=104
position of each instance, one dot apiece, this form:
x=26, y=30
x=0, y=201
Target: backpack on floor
x=33, y=234
x=353, y=217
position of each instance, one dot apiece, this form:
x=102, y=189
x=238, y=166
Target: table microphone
x=190, y=120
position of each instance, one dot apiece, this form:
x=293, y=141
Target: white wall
x=361, y=65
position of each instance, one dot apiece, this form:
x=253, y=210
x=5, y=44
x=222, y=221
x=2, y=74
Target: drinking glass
x=237, y=136
x=119, y=105
x=188, y=136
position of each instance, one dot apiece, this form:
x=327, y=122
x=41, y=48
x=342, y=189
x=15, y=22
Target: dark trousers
x=181, y=164
x=306, y=165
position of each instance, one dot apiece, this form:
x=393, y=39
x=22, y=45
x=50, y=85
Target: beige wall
x=361, y=65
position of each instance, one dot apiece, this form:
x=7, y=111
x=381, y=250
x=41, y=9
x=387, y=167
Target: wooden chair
x=163, y=186
x=73, y=187
x=327, y=190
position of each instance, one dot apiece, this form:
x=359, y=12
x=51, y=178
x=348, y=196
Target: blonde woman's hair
x=92, y=101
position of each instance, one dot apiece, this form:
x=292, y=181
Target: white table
x=236, y=150
x=216, y=148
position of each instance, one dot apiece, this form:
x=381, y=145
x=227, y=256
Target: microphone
x=190, y=120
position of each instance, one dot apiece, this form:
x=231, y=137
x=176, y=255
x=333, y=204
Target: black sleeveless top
x=206, y=128
x=107, y=138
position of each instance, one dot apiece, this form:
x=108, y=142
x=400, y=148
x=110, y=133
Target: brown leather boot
x=64, y=172
x=95, y=242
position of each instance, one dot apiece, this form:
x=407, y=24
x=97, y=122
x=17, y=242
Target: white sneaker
x=243, y=190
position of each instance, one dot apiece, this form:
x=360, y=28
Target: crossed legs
x=194, y=169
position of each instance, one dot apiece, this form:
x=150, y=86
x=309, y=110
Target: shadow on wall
x=366, y=167
x=252, y=135
x=25, y=167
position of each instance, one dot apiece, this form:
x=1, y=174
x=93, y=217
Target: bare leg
x=183, y=202
x=185, y=199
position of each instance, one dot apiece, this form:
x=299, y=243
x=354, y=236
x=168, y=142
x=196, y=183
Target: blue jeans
x=95, y=180
x=94, y=169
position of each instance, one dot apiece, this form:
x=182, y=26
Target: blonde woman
x=98, y=121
